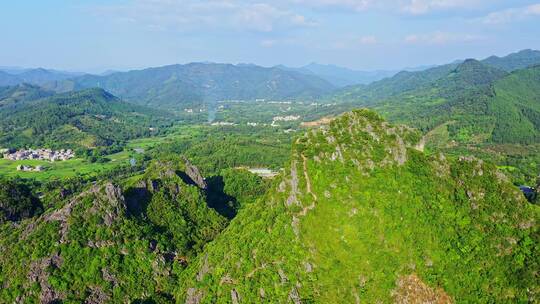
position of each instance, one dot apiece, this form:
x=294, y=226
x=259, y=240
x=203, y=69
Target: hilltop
x=111, y=242
x=360, y=215
x=87, y=118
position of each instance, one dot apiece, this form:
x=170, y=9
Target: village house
x=29, y=168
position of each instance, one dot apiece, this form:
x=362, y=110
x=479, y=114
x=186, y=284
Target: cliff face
x=360, y=215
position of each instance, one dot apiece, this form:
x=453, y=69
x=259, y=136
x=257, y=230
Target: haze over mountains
x=177, y=86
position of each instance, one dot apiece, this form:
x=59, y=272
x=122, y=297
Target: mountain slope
x=176, y=86
x=475, y=103
x=514, y=61
x=8, y=79
x=360, y=216
x=19, y=94
x=471, y=101
x=86, y=118
x=401, y=82
x=340, y=76
x=39, y=76
x=106, y=245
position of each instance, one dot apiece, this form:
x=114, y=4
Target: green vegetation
x=20, y=94
x=17, y=201
x=87, y=118
x=362, y=210
x=358, y=212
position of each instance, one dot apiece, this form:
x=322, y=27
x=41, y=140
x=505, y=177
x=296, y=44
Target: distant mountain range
x=177, y=86
x=340, y=76
x=12, y=76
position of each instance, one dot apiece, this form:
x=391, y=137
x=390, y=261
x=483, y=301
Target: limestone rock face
x=195, y=175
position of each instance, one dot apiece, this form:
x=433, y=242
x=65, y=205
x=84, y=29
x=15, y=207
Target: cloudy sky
x=96, y=35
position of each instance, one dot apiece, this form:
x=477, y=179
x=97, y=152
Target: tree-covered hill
x=471, y=102
x=39, y=76
x=7, y=79
x=494, y=108
x=361, y=216
x=87, y=118
x=178, y=86
x=514, y=61
x=19, y=94
x=401, y=82
x=117, y=242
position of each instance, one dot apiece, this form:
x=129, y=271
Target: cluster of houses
x=40, y=154
x=30, y=168
x=287, y=118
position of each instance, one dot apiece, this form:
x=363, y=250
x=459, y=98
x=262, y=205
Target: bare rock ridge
x=194, y=173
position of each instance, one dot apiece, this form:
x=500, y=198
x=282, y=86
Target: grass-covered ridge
x=361, y=215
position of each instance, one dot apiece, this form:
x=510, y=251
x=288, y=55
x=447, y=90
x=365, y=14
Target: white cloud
x=192, y=14
x=415, y=7
x=268, y=43
x=368, y=40
x=513, y=14
x=441, y=38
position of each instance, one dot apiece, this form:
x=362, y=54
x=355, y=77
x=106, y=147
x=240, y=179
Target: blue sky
x=96, y=35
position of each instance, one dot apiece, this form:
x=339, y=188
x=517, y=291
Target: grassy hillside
x=179, y=86
x=361, y=216
x=87, y=118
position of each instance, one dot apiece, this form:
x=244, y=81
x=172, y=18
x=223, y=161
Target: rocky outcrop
x=39, y=274
x=412, y=290
x=194, y=296
x=195, y=175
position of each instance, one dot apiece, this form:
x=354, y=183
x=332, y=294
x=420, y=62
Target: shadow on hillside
x=218, y=200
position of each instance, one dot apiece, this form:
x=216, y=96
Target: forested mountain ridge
x=514, y=61
x=87, y=118
x=177, y=86
x=406, y=80
x=340, y=76
x=7, y=79
x=496, y=107
x=470, y=102
x=360, y=215
x=39, y=76
x=401, y=82
x=19, y=94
